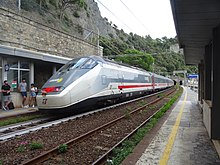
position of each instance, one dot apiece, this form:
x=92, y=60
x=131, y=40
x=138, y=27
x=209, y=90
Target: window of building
x=24, y=65
x=18, y=69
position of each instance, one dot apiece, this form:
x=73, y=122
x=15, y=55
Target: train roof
x=108, y=61
x=96, y=58
x=123, y=64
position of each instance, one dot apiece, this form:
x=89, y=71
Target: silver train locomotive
x=93, y=80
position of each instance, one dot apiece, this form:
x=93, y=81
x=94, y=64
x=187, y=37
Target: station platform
x=181, y=140
x=16, y=112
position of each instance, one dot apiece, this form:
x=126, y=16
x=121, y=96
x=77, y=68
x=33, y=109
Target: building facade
x=37, y=68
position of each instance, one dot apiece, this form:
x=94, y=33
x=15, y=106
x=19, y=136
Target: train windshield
x=73, y=64
x=89, y=64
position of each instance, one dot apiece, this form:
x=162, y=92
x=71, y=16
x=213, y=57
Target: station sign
x=6, y=67
x=14, y=84
x=193, y=76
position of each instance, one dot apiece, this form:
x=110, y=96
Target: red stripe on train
x=140, y=86
x=161, y=84
x=134, y=86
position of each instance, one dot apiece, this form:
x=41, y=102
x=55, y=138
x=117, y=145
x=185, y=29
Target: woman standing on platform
x=33, y=94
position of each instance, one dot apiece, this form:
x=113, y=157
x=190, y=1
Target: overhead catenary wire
x=111, y=48
x=114, y=15
x=132, y=13
x=91, y=31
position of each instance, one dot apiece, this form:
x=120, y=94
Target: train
x=88, y=81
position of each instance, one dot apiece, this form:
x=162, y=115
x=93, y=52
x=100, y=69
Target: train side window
x=89, y=64
x=147, y=79
x=150, y=79
x=104, y=79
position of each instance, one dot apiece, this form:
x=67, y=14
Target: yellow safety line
x=169, y=146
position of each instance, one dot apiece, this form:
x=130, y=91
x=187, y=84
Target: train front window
x=73, y=64
x=89, y=64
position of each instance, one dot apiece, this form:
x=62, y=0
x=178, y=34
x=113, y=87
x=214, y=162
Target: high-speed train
x=92, y=80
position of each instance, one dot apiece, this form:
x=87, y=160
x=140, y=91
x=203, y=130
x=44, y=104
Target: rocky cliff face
x=81, y=22
x=39, y=28
x=95, y=20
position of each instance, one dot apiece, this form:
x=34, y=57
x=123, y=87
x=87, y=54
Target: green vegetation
x=147, y=53
x=79, y=29
x=22, y=146
x=62, y=148
x=142, y=103
x=46, y=5
x=30, y=5
x=120, y=153
x=129, y=108
x=21, y=149
x=35, y=145
x=58, y=13
x=136, y=58
x=153, y=55
x=18, y=119
x=76, y=14
x=127, y=114
x=161, y=95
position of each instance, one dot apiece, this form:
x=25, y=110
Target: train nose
x=44, y=93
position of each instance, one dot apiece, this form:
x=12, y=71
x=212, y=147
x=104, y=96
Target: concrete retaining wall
x=18, y=31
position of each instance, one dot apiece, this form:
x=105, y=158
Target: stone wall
x=18, y=31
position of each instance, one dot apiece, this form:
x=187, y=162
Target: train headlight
x=44, y=93
x=59, y=89
x=53, y=89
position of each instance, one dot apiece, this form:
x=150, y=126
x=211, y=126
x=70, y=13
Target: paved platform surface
x=183, y=138
x=16, y=111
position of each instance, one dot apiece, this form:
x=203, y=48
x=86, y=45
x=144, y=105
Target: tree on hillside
x=64, y=4
x=136, y=58
x=112, y=46
x=42, y=2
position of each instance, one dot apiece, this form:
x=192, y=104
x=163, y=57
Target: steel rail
x=40, y=126
x=22, y=124
x=44, y=125
x=2, y=118
x=103, y=159
x=46, y=155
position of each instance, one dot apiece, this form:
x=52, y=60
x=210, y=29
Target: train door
x=1, y=101
x=1, y=80
x=153, y=82
x=120, y=82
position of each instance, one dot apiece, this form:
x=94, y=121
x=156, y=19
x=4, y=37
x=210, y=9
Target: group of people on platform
x=22, y=88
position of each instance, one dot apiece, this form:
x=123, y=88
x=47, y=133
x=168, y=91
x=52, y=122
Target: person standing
x=23, y=89
x=6, y=89
x=33, y=95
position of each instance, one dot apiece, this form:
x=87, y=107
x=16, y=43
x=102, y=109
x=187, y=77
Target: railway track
x=11, y=131
x=90, y=142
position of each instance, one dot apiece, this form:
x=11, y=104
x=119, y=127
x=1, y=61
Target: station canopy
x=194, y=21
